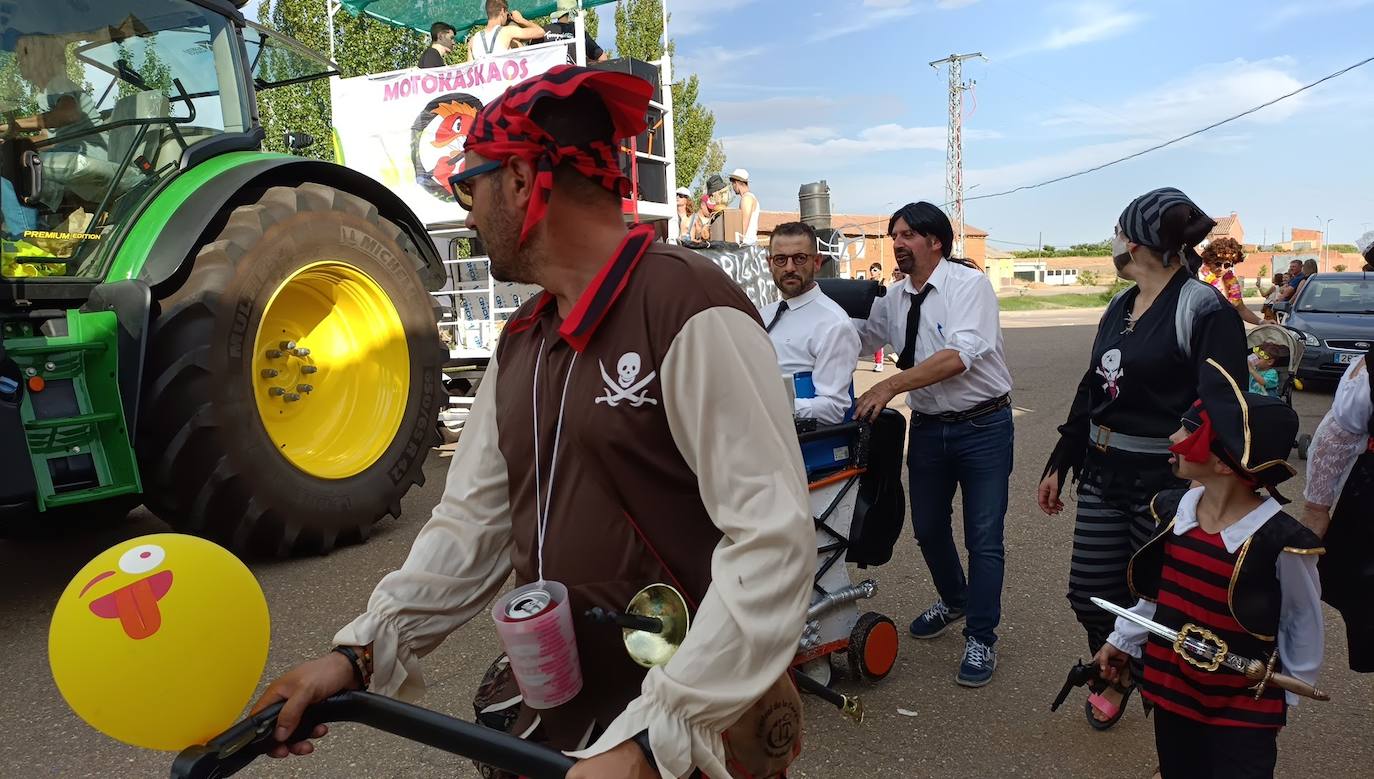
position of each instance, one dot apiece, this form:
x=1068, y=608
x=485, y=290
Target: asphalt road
x=1004, y=729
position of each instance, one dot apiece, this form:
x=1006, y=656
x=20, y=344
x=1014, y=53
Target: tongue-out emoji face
x=160, y=641
x=135, y=604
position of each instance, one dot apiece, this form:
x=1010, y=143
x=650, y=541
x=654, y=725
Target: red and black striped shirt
x=1194, y=584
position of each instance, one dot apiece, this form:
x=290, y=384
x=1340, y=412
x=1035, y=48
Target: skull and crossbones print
x=626, y=386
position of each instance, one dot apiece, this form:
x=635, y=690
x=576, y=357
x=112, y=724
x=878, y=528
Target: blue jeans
x=17, y=216
x=975, y=456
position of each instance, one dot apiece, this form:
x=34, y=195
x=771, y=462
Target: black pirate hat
x=1252, y=434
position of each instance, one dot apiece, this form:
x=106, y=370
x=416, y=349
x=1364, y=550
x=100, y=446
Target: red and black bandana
x=503, y=129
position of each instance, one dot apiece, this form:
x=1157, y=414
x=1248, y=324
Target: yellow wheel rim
x=331, y=370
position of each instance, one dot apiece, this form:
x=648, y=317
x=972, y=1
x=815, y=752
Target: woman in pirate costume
x=1237, y=569
x=1145, y=371
x=1340, y=472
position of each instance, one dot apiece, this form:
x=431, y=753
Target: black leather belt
x=982, y=409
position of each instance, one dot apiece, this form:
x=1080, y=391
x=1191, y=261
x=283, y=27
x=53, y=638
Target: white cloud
x=815, y=147
x=1089, y=22
x=1207, y=94
x=713, y=63
x=944, y=5
x=694, y=20
x=778, y=111
x=1294, y=11
x=801, y=110
x=877, y=12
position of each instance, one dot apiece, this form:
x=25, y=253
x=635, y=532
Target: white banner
x=406, y=129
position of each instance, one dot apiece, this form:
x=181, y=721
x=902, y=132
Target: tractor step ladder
x=78, y=441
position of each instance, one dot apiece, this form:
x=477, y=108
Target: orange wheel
x=873, y=647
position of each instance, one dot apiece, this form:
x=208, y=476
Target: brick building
x=1303, y=240
x=1228, y=227
x=868, y=244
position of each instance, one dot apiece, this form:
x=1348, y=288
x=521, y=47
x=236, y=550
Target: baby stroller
x=858, y=507
x=1287, y=369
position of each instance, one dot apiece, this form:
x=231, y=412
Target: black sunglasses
x=461, y=183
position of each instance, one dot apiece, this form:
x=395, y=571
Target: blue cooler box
x=827, y=454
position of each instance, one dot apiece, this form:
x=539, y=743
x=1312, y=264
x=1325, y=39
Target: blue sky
x=841, y=90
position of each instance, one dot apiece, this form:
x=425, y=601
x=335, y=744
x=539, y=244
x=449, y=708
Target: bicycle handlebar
x=241, y=744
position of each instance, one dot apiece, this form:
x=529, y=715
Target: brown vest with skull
x=624, y=511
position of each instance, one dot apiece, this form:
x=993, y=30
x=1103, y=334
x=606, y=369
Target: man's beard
x=509, y=260
x=799, y=284
x=905, y=261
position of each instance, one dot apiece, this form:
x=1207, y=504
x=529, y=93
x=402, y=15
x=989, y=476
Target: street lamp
x=1324, y=234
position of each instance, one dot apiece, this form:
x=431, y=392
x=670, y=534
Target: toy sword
x=1206, y=650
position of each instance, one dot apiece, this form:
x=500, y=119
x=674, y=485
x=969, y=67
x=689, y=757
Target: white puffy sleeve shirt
x=1341, y=438
x=720, y=387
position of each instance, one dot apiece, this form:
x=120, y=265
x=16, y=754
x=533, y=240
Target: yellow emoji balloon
x=160, y=641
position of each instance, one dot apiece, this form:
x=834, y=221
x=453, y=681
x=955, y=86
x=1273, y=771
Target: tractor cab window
x=276, y=60
x=99, y=102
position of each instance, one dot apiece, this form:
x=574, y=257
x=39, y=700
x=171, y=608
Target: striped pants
x=1106, y=534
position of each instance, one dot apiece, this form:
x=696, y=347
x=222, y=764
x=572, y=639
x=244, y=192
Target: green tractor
x=245, y=342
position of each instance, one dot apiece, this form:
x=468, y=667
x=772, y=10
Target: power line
x=1173, y=141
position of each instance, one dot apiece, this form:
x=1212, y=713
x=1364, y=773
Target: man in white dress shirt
x=810, y=332
x=943, y=319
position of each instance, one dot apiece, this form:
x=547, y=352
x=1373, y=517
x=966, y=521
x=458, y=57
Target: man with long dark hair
x=943, y=318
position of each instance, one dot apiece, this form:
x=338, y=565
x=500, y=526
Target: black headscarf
x=1166, y=221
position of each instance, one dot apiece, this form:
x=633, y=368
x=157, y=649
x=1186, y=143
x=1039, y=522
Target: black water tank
x=815, y=204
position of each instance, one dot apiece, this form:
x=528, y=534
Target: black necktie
x=913, y=321
x=782, y=307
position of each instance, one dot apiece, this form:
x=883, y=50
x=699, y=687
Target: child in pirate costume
x=1234, y=564
x=1146, y=368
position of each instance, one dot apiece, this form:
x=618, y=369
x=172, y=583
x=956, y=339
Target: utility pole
x=954, y=154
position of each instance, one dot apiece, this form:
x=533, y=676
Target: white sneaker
x=877, y=367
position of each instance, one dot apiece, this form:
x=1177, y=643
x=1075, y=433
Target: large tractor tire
x=293, y=380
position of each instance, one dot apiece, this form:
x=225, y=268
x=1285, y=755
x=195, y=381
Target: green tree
x=639, y=34
x=16, y=94
x=362, y=46
x=713, y=161
x=593, y=23
x=149, y=66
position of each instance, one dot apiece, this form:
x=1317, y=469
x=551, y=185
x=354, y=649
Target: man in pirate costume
x=1147, y=367
x=1233, y=563
x=1340, y=472
x=631, y=430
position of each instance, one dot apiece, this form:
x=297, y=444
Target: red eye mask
x=1197, y=447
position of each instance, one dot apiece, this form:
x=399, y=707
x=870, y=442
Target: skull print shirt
x=675, y=462
x=1144, y=371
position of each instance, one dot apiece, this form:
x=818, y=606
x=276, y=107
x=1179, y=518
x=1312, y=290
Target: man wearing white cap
x=562, y=28
x=748, y=205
